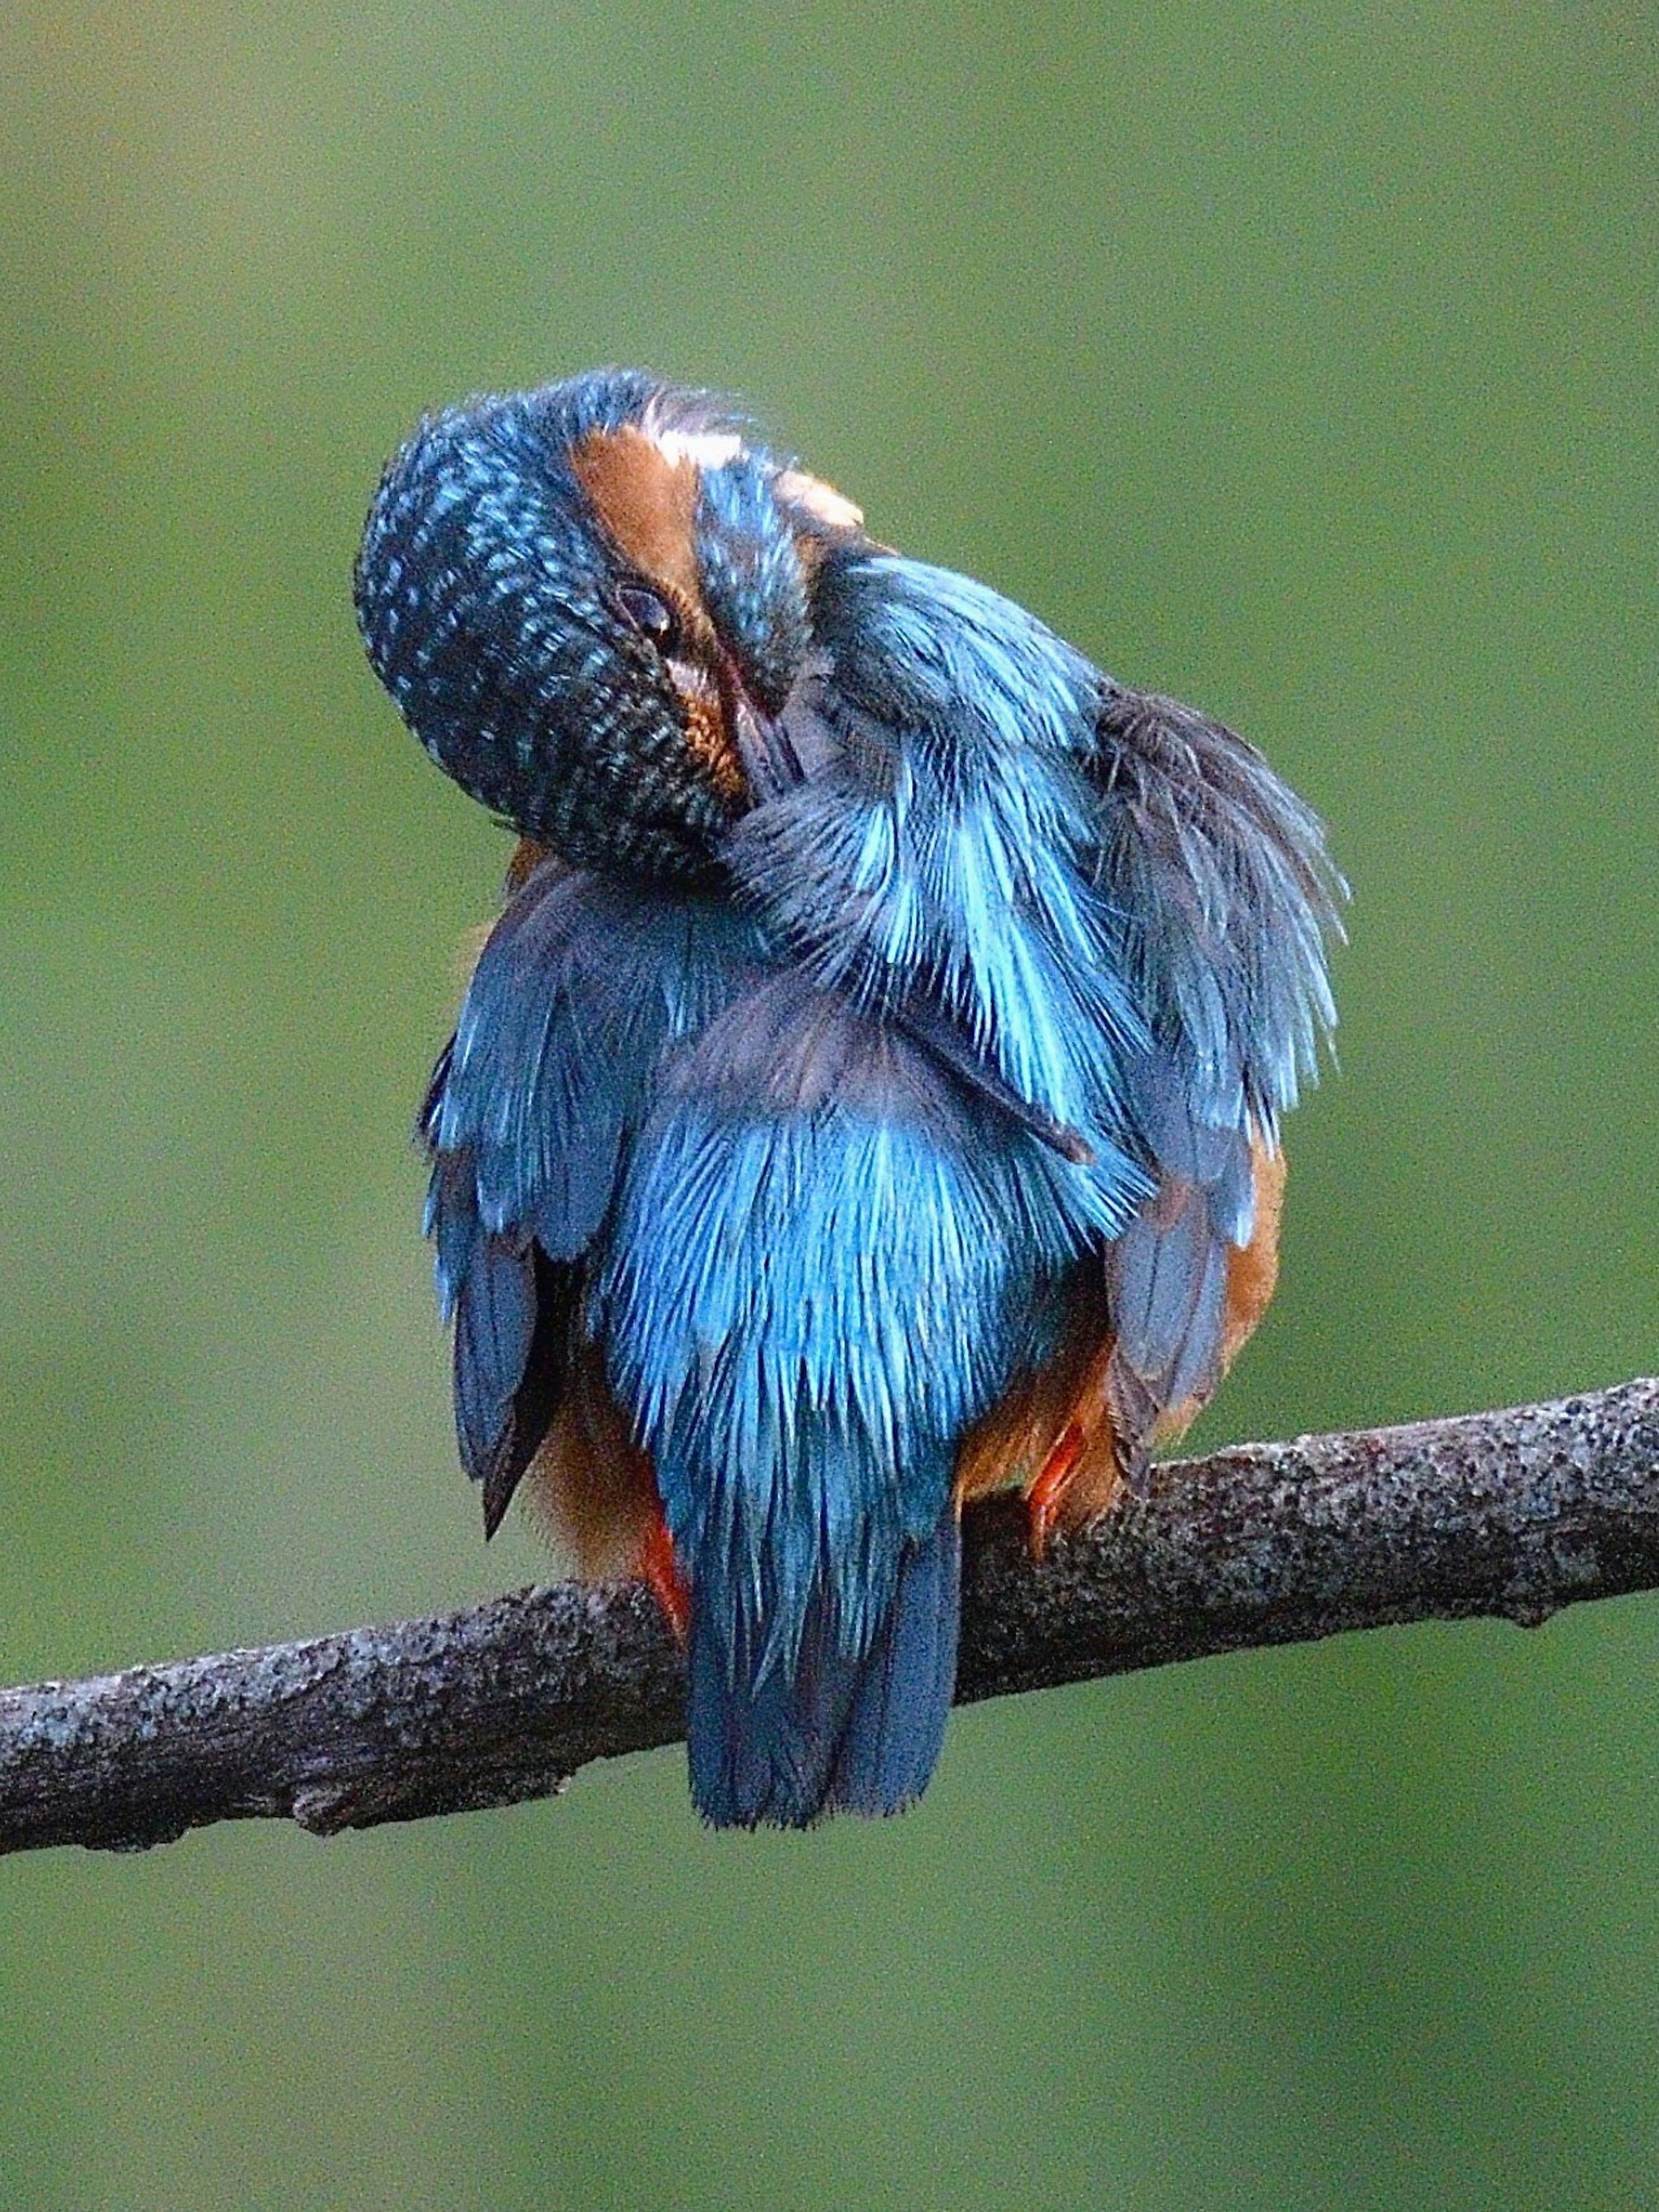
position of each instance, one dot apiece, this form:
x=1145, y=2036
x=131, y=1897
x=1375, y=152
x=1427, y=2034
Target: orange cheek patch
x=646, y=500
x=648, y=504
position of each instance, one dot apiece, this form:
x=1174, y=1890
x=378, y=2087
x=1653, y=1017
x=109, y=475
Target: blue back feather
x=942, y=847
x=823, y=1270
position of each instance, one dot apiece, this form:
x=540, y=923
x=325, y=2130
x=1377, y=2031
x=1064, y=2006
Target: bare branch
x=1512, y=1514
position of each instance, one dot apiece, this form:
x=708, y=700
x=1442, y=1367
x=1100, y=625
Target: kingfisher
x=869, y=1093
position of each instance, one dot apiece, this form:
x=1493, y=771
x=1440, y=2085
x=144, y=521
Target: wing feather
x=1227, y=898
x=581, y=988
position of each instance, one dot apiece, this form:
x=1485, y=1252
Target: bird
x=869, y=1094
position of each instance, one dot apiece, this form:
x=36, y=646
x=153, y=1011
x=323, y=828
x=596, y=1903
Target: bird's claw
x=660, y=1571
x=1046, y=1496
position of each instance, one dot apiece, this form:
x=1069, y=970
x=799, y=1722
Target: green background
x=1296, y=360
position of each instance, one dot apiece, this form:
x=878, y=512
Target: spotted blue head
x=587, y=601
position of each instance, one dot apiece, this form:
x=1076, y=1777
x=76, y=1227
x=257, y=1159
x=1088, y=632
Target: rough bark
x=1512, y=1514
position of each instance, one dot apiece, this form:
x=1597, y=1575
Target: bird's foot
x=1046, y=1496
x=660, y=1571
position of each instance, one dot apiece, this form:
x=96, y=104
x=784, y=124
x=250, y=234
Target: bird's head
x=588, y=602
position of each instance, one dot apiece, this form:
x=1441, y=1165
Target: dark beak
x=769, y=761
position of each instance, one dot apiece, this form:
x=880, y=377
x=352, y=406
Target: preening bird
x=869, y=1093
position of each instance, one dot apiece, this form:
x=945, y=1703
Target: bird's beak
x=768, y=758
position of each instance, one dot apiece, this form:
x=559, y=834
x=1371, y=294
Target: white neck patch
x=706, y=449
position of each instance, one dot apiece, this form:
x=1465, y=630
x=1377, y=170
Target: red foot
x=1044, y=1497
x=661, y=1571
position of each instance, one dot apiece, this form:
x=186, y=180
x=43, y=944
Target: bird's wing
x=1226, y=898
x=927, y=845
x=1229, y=896
x=580, y=988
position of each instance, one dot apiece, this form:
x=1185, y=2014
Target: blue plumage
x=841, y=1730
x=887, y=989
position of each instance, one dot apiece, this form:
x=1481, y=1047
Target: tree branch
x=1512, y=1514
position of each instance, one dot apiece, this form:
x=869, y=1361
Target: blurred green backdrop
x=1296, y=359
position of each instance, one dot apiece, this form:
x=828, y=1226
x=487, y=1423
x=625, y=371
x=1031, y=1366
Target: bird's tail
x=836, y=1731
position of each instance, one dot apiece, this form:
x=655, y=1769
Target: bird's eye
x=647, y=610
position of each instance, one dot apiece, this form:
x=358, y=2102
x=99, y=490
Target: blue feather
x=582, y=987
x=942, y=847
x=495, y=1323
x=1226, y=896
x=857, y=1733
x=822, y=1272
x=890, y=1740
